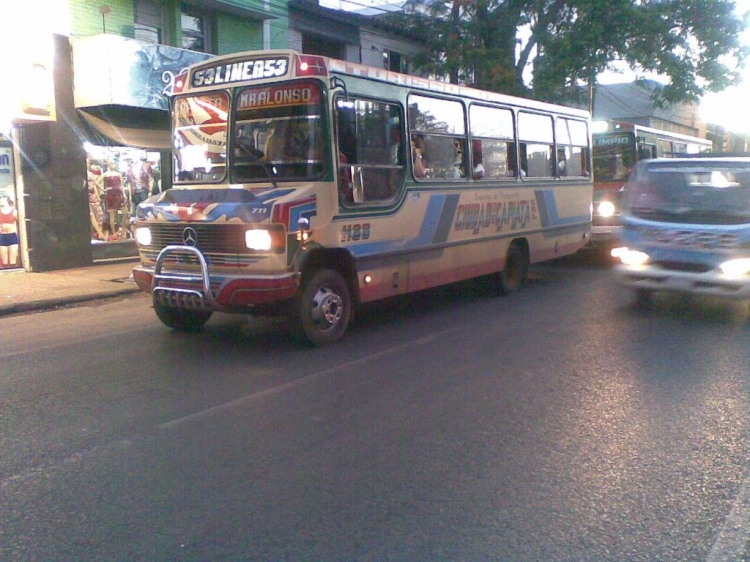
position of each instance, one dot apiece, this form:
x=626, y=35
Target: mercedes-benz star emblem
x=189, y=237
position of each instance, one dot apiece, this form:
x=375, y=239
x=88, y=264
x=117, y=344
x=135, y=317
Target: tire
x=644, y=299
x=516, y=271
x=324, y=308
x=181, y=320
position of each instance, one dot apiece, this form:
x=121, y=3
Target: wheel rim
x=327, y=308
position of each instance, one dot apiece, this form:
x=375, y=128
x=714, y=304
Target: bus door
x=371, y=163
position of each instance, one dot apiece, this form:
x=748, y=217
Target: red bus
x=615, y=152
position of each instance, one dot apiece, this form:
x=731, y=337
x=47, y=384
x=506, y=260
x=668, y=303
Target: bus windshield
x=279, y=133
x=200, y=137
x=614, y=157
x=687, y=192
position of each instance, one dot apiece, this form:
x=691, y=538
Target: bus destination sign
x=241, y=71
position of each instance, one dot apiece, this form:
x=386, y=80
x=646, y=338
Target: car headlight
x=143, y=236
x=736, y=268
x=629, y=257
x=605, y=209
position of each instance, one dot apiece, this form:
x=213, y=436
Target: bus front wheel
x=510, y=279
x=324, y=307
x=181, y=320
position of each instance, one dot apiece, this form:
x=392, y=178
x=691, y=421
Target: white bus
x=305, y=185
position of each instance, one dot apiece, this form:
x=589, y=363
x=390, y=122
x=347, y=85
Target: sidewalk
x=21, y=291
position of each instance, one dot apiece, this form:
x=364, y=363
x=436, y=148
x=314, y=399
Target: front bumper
x=709, y=283
x=198, y=290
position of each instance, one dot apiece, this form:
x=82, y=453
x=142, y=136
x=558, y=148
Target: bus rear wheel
x=324, y=307
x=181, y=320
x=516, y=271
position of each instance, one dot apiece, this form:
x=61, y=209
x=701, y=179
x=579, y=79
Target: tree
x=693, y=44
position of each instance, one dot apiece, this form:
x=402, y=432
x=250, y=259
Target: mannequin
x=110, y=182
x=8, y=232
x=140, y=178
x=96, y=213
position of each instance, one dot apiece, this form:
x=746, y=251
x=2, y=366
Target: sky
x=728, y=108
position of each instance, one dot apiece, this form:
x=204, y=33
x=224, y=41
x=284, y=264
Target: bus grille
x=209, y=238
x=691, y=238
x=688, y=267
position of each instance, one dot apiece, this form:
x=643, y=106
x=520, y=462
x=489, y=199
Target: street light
x=105, y=10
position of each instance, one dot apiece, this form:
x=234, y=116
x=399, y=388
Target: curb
x=48, y=304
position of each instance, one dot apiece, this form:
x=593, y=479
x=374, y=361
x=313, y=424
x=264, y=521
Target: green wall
x=230, y=33
x=86, y=19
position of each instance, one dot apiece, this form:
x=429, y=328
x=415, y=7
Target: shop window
x=194, y=31
x=118, y=179
x=148, y=21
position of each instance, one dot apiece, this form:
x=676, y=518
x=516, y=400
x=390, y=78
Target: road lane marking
x=735, y=533
x=239, y=402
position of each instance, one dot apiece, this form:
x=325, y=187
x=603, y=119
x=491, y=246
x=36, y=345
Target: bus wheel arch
x=325, y=300
x=515, y=273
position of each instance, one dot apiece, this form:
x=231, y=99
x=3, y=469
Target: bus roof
x=623, y=127
x=252, y=66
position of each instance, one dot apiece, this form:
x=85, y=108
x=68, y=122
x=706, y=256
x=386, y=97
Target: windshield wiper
x=257, y=158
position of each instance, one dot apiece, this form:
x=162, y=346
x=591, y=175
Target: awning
x=130, y=126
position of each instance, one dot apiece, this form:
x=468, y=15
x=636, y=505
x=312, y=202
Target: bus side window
x=370, y=150
x=536, y=141
x=492, y=142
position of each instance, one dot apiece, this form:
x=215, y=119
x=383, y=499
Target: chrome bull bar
x=176, y=297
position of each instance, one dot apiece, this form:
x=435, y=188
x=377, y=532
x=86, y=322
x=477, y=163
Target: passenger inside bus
x=417, y=154
x=476, y=155
x=276, y=141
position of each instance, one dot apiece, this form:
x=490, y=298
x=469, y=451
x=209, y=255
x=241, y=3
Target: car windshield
x=279, y=133
x=707, y=191
x=200, y=137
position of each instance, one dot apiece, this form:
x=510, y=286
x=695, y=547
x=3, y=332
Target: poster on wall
x=113, y=70
x=7, y=181
x=8, y=211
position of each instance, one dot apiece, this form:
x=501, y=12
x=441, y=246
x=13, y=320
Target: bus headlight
x=258, y=239
x=272, y=239
x=736, y=268
x=143, y=236
x=605, y=209
x=629, y=257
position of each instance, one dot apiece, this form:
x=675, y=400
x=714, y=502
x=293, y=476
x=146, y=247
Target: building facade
x=84, y=130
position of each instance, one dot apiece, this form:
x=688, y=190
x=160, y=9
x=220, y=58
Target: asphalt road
x=557, y=424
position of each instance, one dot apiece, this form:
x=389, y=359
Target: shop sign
x=114, y=70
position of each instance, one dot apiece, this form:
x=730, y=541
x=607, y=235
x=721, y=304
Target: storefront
x=9, y=228
x=84, y=136
x=26, y=100
x=120, y=90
